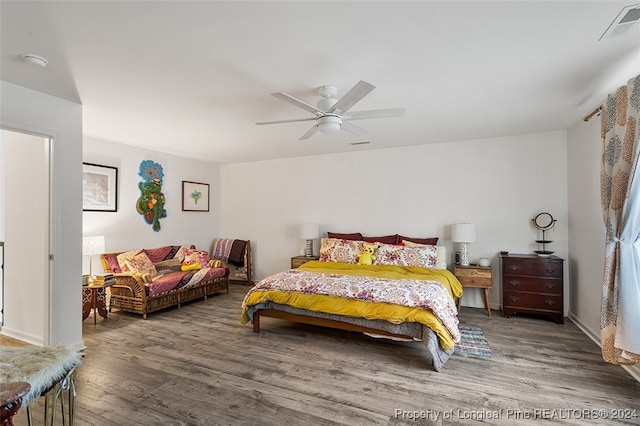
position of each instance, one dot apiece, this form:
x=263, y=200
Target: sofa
x=149, y=280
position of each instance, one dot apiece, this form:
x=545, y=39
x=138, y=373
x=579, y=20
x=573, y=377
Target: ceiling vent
x=626, y=21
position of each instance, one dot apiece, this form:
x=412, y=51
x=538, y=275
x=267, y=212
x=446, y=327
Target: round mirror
x=544, y=221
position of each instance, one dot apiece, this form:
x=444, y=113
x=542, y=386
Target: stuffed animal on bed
x=367, y=256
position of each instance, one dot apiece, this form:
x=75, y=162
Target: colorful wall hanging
x=151, y=201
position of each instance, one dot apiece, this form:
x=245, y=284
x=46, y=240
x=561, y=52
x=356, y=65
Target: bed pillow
x=192, y=256
x=388, y=254
x=339, y=250
x=428, y=241
x=355, y=236
x=112, y=262
x=141, y=264
x=387, y=239
x=441, y=256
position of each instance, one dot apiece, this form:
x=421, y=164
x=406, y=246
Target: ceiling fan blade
x=353, y=96
x=353, y=129
x=309, y=133
x=297, y=102
x=374, y=113
x=260, y=123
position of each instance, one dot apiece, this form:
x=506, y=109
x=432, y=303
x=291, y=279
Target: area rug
x=472, y=343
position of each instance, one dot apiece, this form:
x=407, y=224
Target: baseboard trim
x=633, y=370
x=22, y=336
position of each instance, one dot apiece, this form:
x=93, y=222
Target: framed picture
x=195, y=196
x=99, y=188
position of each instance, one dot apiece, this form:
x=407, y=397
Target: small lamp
x=92, y=246
x=309, y=232
x=463, y=233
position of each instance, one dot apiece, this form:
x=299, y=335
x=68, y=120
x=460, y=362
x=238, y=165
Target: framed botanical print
x=195, y=196
x=99, y=188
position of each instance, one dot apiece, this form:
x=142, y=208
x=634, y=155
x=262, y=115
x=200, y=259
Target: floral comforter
x=368, y=296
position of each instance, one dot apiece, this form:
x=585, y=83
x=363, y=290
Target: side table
x=11, y=399
x=297, y=261
x=475, y=276
x=94, y=296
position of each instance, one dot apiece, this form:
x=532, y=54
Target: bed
x=402, y=295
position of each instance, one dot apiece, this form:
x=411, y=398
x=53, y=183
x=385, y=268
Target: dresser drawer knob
x=514, y=298
x=550, y=269
x=514, y=283
x=550, y=302
x=514, y=267
x=549, y=285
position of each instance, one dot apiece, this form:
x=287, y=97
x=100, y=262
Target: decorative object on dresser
x=533, y=285
x=234, y=255
x=475, y=276
x=309, y=232
x=297, y=261
x=92, y=246
x=544, y=222
x=463, y=233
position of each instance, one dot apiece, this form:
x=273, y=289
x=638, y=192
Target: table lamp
x=309, y=232
x=92, y=246
x=463, y=233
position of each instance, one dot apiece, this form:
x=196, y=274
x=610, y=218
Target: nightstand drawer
x=298, y=261
x=474, y=276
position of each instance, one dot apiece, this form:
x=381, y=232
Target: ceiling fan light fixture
x=329, y=124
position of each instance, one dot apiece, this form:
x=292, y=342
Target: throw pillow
x=441, y=254
x=337, y=250
x=124, y=258
x=193, y=256
x=141, y=264
x=388, y=254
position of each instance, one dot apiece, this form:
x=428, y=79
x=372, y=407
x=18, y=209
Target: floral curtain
x=620, y=311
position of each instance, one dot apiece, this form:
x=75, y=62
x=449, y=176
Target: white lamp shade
x=93, y=245
x=463, y=233
x=309, y=231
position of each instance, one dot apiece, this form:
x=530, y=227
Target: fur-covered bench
x=148, y=280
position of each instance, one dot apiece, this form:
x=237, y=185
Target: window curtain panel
x=620, y=311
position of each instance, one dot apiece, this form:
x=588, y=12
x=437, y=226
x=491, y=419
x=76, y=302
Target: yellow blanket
x=363, y=309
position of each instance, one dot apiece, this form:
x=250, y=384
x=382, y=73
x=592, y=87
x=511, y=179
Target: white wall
x=126, y=228
x=500, y=184
x=29, y=111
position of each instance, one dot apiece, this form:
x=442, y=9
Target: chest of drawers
x=532, y=284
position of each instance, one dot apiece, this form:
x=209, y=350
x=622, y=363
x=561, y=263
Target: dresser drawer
x=538, y=268
x=532, y=301
x=532, y=284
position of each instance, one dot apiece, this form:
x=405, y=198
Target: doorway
x=25, y=206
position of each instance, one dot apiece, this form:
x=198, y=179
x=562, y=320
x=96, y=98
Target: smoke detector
x=624, y=22
x=33, y=59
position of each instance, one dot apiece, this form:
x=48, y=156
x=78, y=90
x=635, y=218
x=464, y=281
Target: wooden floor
x=199, y=366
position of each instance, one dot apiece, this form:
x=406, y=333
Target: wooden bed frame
x=323, y=322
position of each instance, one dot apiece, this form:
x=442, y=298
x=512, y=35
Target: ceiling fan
x=332, y=114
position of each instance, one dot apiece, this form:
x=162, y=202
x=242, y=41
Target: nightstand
x=301, y=260
x=476, y=277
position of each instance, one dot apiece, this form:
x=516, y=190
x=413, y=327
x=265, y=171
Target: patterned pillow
x=124, y=258
x=337, y=250
x=141, y=264
x=388, y=254
x=192, y=256
x=441, y=256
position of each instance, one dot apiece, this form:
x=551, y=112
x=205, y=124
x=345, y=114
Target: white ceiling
x=192, y=77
